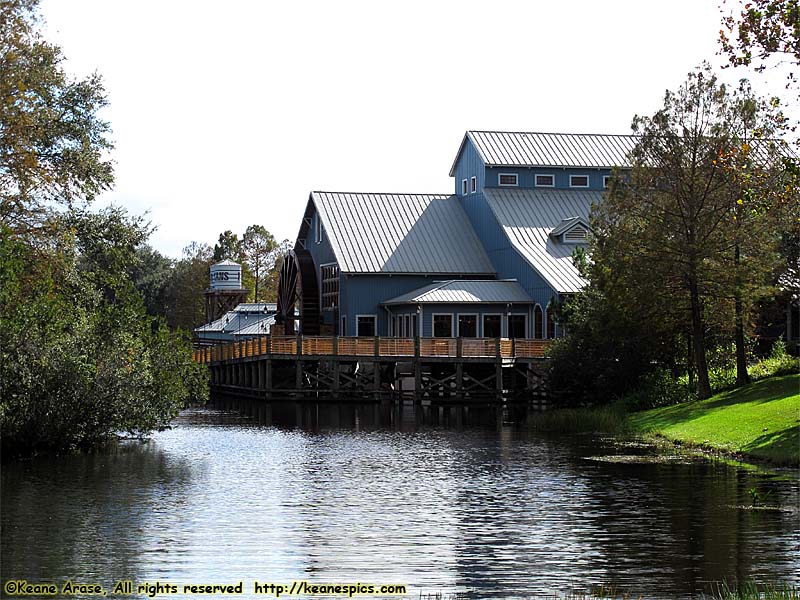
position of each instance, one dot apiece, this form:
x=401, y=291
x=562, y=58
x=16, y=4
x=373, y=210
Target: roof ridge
x=445, y=195
x=553, y=133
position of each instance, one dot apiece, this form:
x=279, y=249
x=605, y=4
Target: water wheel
x=298, y=292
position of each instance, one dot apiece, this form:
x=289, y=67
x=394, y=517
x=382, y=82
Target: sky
x=228, y=114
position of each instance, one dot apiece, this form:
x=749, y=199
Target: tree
x=670, y=229
x=763, y=29
x=258, y=250
x=190, y=277
x=53, y=145
x=151, y=274
x=229, y=247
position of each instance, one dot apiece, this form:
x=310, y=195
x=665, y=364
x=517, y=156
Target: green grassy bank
x=761, y=420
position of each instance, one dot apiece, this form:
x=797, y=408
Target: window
x=579, y=181
x=343, y=330
x=516, y=326
x=606, y=181
x=473, y=183
x=551, y=324
x=406, y=326
x=414, y=330
x=329, y=274
x=491, y=326
x=319, y=230
x=545, y=181
x=538, y=323
x=468, y=326
x=442, y=325
x=463, y=187
x=395, y=326
x=365, y=325
x=508, y=179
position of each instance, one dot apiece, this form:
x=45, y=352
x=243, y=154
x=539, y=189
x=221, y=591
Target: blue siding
x=505, y=259
x=525, y=176
x=322, y=252
x=469, y=165
x=362, y=295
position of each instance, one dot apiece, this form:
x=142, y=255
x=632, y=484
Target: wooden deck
x=376, y=348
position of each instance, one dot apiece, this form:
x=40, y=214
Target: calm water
x=452, y=501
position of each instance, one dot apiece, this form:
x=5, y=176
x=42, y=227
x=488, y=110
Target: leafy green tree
x=151, y=275
x=229, y=247
x=670, y=229
x=763, y=29
x=53, y=145
x=189, y=278
x=259, y=248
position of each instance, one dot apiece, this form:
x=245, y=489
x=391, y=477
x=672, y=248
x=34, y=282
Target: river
x=462, y=502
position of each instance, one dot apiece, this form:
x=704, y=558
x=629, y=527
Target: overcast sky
x=229, y=114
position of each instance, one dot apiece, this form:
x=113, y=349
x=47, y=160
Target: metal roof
x=457, y=291
x=528, y=216
x=226, y=263
x=257, y=307
x=400, y=233
x=234, y=322
x=530, y=149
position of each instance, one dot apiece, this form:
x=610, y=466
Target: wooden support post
x=335, y=367
x=417, y=370
x=268, y=377
x=498, y=369
x=459, y=379
x=298, y=365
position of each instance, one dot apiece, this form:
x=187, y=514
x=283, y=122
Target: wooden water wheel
x=298, y=291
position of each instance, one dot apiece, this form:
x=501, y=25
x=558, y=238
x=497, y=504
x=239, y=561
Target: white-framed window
x=473, y=184
x=492, y=325
x=467, y=325
x=606, y=181
x=544, y=180
x=319, y=230
x=538, y=322
x=329, y=276
x=414, y=327
x=579, y=181
x=517, y=325
x=343, y=330
x=366, y=325
x=442, y=324
x=463, y=187
x=507, y=179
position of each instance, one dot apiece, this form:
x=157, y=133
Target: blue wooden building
x=484, y=261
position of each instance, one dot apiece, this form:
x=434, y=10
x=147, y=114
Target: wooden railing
x=375, y=347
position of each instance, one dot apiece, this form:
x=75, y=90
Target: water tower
x=226, y=291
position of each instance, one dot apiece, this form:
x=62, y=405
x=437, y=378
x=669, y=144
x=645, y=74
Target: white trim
x=508, y=325
x=537, y=184
x=374, y=320
x=483, y=328
x=338, y=290
x=433, y=325
x=473, y=184
x=477, y=323
x=544, y=326
x=318, y=230
x=464, y=187
x=572, y=185
x=514, y=175
x=606, y=181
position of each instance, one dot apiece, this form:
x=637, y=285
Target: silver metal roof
x=528, y=216
x=529, y=149
x=257, y=307
x=466, y=291
x=226, y=263
x=234, y=322
x=400, y=233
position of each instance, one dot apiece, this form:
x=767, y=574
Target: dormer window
x=579, y=181
x=576, y=235
x=545, y=181
x=473, y=182
x=508, y=180
x=463, y=187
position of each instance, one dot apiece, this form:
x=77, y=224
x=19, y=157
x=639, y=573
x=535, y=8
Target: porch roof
x=460, y=291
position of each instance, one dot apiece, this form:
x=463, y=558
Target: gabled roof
x=399, y=233
x=530, y=149
x=569, y=223
x=528, y=216
x=503, y=291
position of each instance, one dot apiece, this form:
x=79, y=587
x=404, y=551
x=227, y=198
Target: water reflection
x=444, y=499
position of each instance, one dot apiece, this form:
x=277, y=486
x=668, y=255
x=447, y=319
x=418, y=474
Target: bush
x=658, y=388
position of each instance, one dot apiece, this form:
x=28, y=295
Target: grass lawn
x=760, y=420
